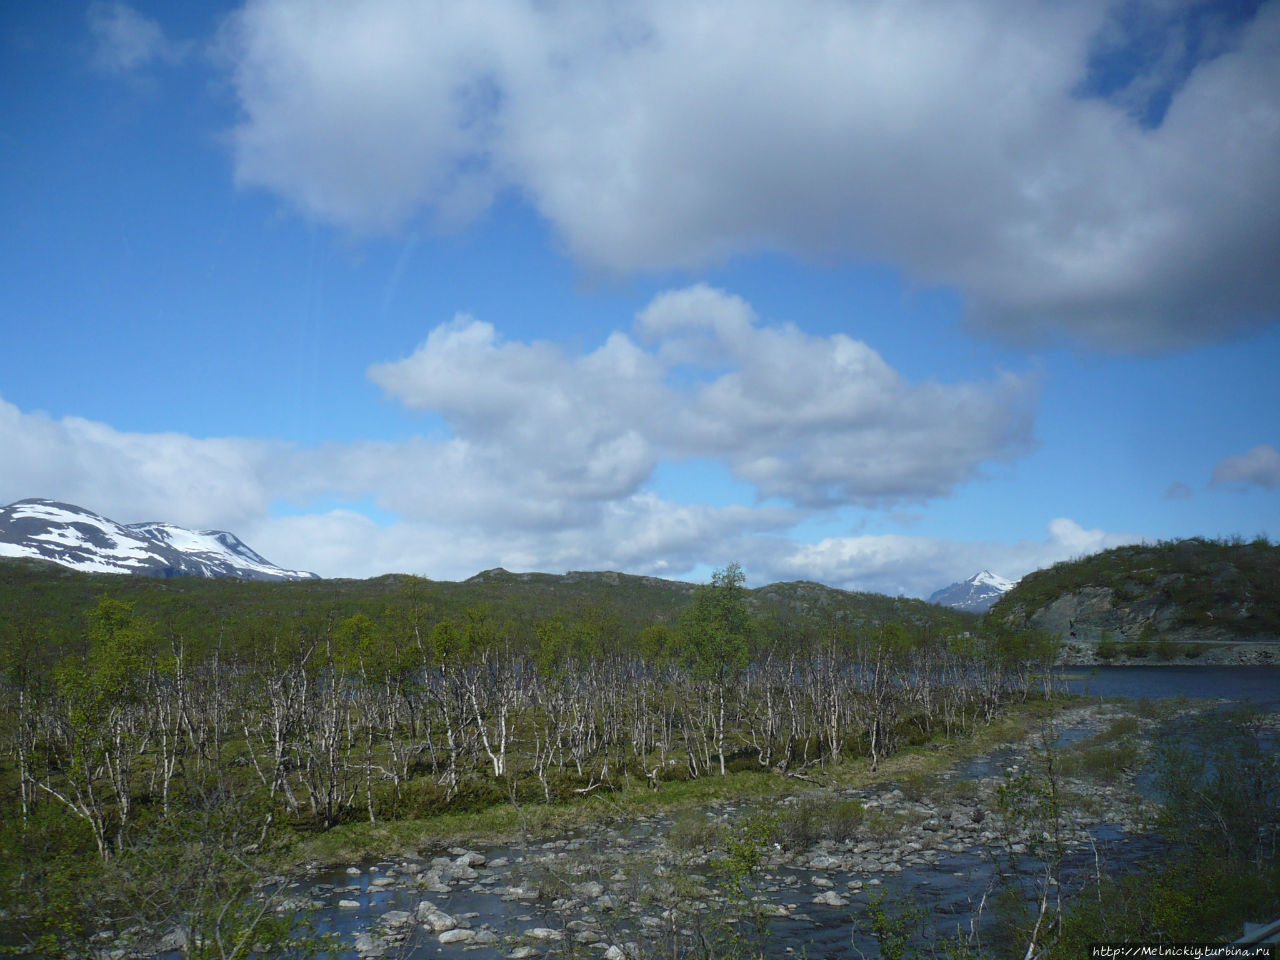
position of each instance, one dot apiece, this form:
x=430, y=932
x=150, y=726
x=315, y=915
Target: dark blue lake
x=1257, y=685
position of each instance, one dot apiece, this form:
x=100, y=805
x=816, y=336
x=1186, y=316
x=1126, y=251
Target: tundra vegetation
x=1222, y=589
x=170, y=746
x=154, y=768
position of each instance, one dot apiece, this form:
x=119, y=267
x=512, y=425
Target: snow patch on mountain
x=976, y=594
x=83, y=540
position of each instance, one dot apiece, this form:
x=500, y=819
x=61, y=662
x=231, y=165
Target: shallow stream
x=596, y=891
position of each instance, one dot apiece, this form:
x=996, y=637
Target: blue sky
x=871, y=294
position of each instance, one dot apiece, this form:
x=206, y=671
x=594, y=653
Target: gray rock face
x=1083, y=615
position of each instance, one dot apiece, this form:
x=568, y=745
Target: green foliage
x=1171, y=901
x=895, y=925
x=1006, y=646
x=818, y=818
x=693, y=831
x=1221, y=789
x=716, y=628
x=114, y=671
x=739, y=866
x=188, y=730
x=49, y=864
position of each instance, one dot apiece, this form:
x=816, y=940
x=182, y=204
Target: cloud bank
x=549, y=456
x=969, y=144
x=815, y=421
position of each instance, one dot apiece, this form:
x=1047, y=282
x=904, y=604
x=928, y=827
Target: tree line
x=340, y=721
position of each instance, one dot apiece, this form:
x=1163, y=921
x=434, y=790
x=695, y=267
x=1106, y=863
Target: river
x=592, y=890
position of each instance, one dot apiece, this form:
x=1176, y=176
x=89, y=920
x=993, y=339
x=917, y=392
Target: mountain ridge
x=974, y=595
x=74, y=537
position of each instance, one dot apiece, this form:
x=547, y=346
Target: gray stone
x=520, y=893
x=457, y=935
x=469, y=858
x=367, y=945
x=433, y=918
x=544, y=933
x=175, y=939
x=349, y=904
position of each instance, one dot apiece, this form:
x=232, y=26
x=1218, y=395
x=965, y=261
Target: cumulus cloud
x=133, y=476
x=1258, y=467
x=455, y=517
x=951, y=139
x=917, y=566
x=1178, y=491
x=549, y=451
x=124, y=39
x=816, y=421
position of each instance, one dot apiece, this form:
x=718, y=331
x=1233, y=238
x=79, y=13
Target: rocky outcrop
x=1183, y=601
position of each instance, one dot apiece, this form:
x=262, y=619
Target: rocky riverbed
x=647, y=885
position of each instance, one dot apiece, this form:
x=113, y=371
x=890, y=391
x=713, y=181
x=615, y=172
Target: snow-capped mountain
x=82, y=540
x=975, y=595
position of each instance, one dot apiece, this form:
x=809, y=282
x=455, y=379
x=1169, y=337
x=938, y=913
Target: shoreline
x=1211, y=654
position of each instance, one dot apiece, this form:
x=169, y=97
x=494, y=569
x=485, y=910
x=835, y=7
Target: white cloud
x=1258, y=467
x=550, y=452
x=133, y=476
x=817, y=421
x=124, y=39
x=456, y=515
x=947, y=138
x=917, y=566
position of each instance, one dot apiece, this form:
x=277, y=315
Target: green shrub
x=1107, y=649
x=693, y=831
x=1108, y=762
x=814, y=819
x=1118, y=729
x=843, y=819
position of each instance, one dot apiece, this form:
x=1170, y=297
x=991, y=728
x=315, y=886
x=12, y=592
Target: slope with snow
x=975, y=595
x=83, y=540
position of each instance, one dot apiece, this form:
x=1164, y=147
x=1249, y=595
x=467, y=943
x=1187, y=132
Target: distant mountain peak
x=975, y=595
x=83, y=540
